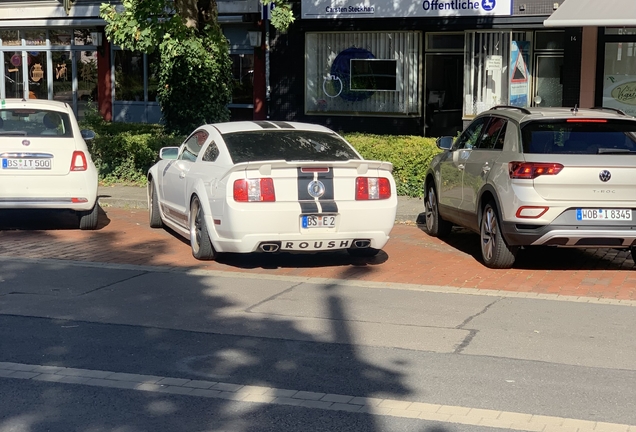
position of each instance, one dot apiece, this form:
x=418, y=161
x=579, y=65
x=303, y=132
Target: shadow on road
x=38, y=220
x=178, y=325
x=543, y=257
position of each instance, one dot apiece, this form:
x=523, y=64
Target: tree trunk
x=188, y=10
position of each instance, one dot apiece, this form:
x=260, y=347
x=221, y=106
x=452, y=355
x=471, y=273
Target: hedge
x=123, y=152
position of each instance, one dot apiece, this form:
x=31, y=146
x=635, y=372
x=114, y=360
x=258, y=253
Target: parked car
x=45, y=161
x=538, y=176
x=272, y=186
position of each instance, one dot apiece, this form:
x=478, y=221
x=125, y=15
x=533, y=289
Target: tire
x=363, y=253
x=495, y=253
x=154, y=214
x=632, y=250
x=88, y=219
x=200, y=243
x=435, y=225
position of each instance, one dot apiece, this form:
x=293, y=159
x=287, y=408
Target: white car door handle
x=460, y=166
x=181, y=175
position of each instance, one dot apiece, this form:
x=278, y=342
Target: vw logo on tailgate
x=316, y=188
x=605, y=175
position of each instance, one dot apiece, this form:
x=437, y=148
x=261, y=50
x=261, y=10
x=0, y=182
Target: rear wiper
x=13, y=133
x=613, y=151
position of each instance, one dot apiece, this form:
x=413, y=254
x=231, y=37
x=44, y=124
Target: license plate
x=604, y=214
x=27, y=163
x=318, y=221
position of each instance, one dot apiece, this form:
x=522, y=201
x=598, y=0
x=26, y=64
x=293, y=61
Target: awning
x=594, y=13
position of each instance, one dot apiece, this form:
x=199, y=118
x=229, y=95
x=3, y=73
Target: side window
x=192, y=146
x=211, y=153
x=494, y=135
x=469, y=138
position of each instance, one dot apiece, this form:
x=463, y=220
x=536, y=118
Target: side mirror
x=87, y=134
x=169, y=152
x=445, y=142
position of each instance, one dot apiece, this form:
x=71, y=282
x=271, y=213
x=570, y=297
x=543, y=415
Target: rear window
x=34, y=123
x=287, y=145
x=579, y=136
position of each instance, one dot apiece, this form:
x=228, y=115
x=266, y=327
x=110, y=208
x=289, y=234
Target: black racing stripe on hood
x=266, y=125
x=285, y=125
x=329, y=206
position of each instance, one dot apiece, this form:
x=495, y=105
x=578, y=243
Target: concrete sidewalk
x=135, y=197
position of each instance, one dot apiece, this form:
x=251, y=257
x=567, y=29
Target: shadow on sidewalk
x=38, y=220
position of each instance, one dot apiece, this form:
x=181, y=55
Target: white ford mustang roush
x=269, y=186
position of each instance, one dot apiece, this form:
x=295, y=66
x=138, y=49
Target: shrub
x=123, y=152
x=410, y=155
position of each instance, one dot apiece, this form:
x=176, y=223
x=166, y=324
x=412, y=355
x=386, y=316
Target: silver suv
x=537, y=176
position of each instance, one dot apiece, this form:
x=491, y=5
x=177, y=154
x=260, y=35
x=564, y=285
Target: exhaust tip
x=269, y=247
x=361, y=243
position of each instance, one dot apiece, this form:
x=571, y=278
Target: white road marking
x=306, y=399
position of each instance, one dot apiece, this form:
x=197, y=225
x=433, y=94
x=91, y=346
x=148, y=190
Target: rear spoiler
x=265, y=167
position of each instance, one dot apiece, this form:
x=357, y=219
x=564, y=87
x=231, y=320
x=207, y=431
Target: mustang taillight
x=531, y=170
x=78, y=161
x=250, y=190
x=372, y=188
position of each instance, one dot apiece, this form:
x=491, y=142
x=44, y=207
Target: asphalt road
x=130, y=343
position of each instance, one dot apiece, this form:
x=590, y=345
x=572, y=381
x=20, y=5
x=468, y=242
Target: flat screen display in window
x=373, y=74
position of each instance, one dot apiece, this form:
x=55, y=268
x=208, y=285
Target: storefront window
x=60, y=37
x=37, y=75
x=363, y=73
x=620, y=31
x=549, y=40
x=497, y=70
x=619, y=78
x=10, y=37
x=243, y=74
x=35, y=37
x=13, y=74
x=129, y=76
x=62, y=76
x=82, y=37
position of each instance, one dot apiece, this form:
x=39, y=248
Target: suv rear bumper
x=581, y=236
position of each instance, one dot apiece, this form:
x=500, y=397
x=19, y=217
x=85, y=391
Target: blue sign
x=488, y=5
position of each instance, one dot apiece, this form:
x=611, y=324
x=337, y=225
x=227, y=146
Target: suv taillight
x=532, y=170
x=250, y=190
x=372, y=188
x=78, y=161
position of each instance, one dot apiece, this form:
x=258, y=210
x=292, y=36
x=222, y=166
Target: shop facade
x=52, y=53
x=425, y=67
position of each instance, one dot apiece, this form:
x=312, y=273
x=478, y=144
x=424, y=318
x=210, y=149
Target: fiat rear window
x=287, y=145
x=579, y=136
x=29, y=122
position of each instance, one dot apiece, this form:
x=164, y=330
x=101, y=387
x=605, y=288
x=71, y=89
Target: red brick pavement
x=411, y=256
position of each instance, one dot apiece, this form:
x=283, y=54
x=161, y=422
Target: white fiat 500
x=272, y=186
x=44, y=160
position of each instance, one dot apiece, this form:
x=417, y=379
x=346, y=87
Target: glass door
x=548, y=81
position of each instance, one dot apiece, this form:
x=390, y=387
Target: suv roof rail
x=522, y=109
x=621, y=112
